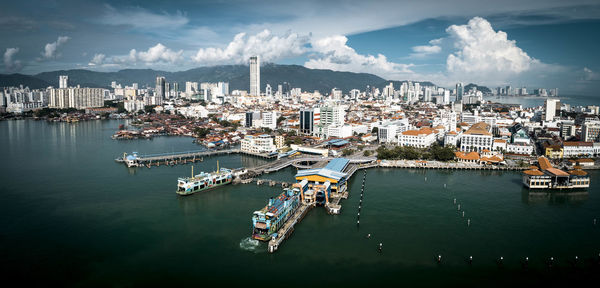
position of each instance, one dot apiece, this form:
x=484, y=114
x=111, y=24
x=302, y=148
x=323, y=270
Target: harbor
x=117, y=223
x=322, y=181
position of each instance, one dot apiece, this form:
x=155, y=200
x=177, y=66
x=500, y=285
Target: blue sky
x=533, y=43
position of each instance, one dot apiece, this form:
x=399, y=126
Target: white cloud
x=482, y=51
x=268, y=46
x=10, y=64
x=97, y=60
x=426, y=50
x=51, y=49
x=158, y=54
x=143, y=19
x=333, y=53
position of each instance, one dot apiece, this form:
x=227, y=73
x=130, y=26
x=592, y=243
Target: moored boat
x=204, y=181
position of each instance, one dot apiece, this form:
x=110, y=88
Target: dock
x=175, y=158
x=287, y=229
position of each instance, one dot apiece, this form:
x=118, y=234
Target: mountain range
x=238, y=77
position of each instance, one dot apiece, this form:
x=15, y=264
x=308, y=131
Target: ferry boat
x=268, y=220
x=204, y=181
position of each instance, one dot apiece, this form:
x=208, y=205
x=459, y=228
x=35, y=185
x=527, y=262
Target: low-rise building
x=421, y=138
x=258, y=144
x=476, y=138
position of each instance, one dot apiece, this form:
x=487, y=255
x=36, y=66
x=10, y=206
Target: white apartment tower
x=254, y=76
x=63, y=81
x=550, y=109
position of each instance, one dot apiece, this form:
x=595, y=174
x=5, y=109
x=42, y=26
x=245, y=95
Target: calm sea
x=533, y=101
x=71, y=216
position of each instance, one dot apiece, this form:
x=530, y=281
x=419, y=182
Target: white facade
x=78, y=98
x=258, y=144
x=421, y=138
x=339, y=131
x=269, y=120
x=254, y=76
x=477, y=138
x=550, y=109
x=63, y=81
x=519, y=148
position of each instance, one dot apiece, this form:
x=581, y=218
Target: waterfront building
x=476, y=138
x=258, y=144
x=548, y=177
x=499, y=145
x=519, y=148
x=421, y=138
x=63, y=81
x=333, y=173
x=553, y=151
x=254, y=76
x=577, y=149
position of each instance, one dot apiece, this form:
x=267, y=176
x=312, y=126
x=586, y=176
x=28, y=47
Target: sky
x=535, y=43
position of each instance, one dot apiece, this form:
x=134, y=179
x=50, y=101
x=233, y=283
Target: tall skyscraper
x=160, y=86
x=254, y=76
x=307, y=121
x=460, y=91
x=550, y=109
x=63, y=81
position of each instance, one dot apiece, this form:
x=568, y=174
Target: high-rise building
x=63, y=81
x=167, y=90
x=550, y=109
x=427, y=94
x=160, y=86
x=460, y=91
x=254, y=76
x=308, y=120
x=78, y=98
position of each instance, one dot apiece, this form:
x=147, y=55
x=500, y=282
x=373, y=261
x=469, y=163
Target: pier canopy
x=332, y=172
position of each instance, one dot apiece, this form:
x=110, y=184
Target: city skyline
x=536, y=44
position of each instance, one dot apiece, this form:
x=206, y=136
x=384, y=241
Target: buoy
x=444, y=185
x=551, y=262
x=463, y=214
x=470, y=260
x=500, y=260
x=594, y=221
x=468, y=222
x=458, y=207
x=425, y=178
x=380, y=247
x=454, y=200
x=369, y=235
x=439, y=259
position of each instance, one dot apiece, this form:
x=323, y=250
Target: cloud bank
x=10, y=64
x=51, y=50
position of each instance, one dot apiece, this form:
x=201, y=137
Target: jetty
x=286, y=230
x=136, y=160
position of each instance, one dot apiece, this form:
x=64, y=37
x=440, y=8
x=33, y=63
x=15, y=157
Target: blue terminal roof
x=337, y=164
x=337, y=142
x=322, y=172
